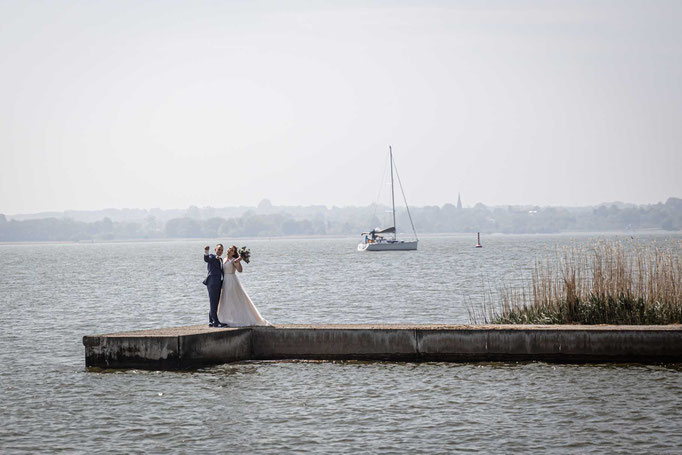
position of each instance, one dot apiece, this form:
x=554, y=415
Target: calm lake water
x=53, y=294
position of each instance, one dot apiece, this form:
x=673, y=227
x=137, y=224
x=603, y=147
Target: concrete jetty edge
x=195, y=346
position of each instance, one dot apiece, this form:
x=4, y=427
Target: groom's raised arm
x=206, y=253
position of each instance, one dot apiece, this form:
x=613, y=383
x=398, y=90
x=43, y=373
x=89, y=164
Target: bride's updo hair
x=236, y=252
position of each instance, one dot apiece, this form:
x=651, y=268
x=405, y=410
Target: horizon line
x=328, y=207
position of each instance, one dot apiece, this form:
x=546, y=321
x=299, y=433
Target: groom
x=214, y=283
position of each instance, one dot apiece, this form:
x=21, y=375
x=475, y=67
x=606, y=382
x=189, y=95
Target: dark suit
x=214, y=283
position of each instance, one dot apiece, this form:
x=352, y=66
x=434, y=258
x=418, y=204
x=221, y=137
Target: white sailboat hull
x=388, y=246
x=378, y=240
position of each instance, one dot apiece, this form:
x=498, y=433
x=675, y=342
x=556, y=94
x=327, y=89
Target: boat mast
x=395, y=231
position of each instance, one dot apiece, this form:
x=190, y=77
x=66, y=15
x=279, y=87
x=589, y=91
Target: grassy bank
x=612, y=282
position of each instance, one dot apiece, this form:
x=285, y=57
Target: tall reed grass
x=612, y=282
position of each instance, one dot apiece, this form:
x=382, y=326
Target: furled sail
x=389, y=230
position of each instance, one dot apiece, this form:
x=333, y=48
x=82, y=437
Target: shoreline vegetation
x=267, y=220
x=611, y=282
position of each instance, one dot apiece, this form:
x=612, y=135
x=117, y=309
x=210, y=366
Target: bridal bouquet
x=245, y=254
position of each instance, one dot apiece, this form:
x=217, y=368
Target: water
x=53, y=294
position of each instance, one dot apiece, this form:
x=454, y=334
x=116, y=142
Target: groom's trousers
x=214, y=298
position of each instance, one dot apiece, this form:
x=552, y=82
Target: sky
x=141, y=104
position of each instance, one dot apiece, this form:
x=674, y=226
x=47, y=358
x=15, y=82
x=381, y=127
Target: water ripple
x=50, y=403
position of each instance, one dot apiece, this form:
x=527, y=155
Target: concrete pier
x=194, y=346
x=168, y=349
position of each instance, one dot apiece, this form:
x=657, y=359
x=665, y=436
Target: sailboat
x=375, y=240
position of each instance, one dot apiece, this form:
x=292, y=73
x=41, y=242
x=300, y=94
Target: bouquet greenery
x=245, y=254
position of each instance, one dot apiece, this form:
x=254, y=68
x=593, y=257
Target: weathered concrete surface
x=334, y=342
x=226, y=345
x=553, y=343
x=188, y=347
x=167, y=349
x=157, y=353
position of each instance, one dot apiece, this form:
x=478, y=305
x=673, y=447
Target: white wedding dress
x=236, y=308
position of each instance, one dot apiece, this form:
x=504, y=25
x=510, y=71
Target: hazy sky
x=167, y=104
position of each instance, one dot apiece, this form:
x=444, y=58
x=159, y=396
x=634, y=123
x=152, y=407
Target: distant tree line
x=267, y=220
x=67, y=229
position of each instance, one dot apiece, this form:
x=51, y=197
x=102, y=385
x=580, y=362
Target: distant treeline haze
x=267, y=220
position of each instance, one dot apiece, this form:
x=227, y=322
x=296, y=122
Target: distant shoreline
x=268, y=221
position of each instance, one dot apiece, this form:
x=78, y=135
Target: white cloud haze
x=168, y=104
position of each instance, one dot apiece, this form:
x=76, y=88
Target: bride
x=235, y=307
